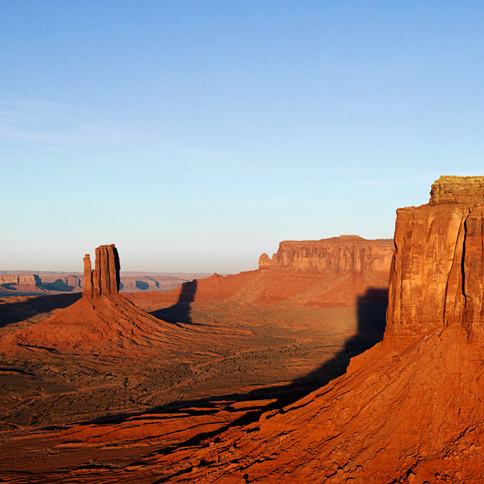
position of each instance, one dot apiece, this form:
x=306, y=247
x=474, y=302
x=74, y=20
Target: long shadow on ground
x=15, y=312
x=371, y=326
x=181, y=311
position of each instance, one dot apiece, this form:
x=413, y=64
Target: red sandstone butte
x=102, y=315
x=104, y=279
x=347, y=253
x=436, y=277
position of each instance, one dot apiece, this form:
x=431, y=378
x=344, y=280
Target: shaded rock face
x=20, y=282
x=348, y=253
x=104, y=279
x=437, y=273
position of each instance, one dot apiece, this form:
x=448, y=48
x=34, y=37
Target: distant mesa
x=20, y=282
x=347, y=253
x=334, y=272
x=13, y=283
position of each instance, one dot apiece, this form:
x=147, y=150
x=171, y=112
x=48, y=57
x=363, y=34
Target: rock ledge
x=457, y=189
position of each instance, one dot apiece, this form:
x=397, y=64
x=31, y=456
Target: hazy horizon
x=198, y=135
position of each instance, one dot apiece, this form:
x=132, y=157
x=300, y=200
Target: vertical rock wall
x=347, y=253
x=104, y=279
x=437, y=272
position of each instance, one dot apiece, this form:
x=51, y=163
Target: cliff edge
x=436, y=276
x=347, y=253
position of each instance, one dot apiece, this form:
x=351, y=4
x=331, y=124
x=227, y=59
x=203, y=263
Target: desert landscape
x=338, y=360
x=241, y=242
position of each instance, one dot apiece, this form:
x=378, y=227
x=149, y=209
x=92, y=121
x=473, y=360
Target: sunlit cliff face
x=436, y=276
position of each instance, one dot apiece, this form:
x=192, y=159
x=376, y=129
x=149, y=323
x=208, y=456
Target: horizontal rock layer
x=19, y=279
x=348, y=253
x=458, y=189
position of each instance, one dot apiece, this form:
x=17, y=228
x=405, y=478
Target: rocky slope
x=407, y=418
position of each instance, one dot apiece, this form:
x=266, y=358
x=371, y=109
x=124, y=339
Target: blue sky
x=196, y=135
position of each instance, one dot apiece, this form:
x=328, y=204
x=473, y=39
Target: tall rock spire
x=87, y=290
x=104, y=279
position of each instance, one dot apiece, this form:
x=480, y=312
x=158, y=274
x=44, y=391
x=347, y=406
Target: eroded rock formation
x=20, y=282
x=102, y=317
x=348, y=253
x=87, y=290
x=104, y=279
x=19, y=279
x=436, y=278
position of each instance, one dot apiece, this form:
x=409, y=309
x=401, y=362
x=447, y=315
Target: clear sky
x=198, y=134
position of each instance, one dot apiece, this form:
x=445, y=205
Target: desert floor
x=117, y=404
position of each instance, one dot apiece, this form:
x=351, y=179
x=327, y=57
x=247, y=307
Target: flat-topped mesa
x=457, y=189
x=347, y=253
x=104, y=279
x=437, y=272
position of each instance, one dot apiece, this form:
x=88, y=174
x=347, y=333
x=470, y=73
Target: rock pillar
x=104, y=279
x=87, y=291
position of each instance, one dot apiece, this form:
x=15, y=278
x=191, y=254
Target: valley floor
x=81, y=409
